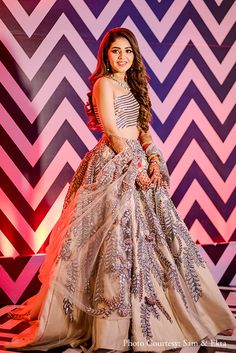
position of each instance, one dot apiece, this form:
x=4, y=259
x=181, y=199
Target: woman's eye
x=116, y=51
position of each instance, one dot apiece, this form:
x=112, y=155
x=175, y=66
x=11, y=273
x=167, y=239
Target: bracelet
x=154, y=156
x=152, y=150
x=146, y=144
x=154, y=161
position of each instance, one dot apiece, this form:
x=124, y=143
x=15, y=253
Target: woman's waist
x=132, y=141
x=128, y=133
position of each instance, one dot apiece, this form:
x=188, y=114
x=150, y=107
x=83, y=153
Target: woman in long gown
x=121, y=270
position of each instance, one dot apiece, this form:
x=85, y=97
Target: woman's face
x=120, y=55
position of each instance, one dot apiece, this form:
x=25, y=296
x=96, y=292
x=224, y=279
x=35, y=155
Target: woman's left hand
x=155, y=174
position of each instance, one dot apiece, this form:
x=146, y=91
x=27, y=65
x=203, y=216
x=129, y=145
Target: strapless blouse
x=126, y=111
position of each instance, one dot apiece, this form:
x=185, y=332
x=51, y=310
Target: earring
x=107, y=67
x=131, y=69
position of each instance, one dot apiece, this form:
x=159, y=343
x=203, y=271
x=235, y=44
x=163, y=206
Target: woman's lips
x=122, y=63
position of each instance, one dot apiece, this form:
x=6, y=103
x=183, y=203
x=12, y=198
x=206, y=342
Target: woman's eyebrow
x=120, y=47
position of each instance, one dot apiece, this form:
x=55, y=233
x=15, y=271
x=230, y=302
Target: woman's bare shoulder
x=103, y=82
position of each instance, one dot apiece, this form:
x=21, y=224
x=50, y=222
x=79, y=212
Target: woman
x=121, y=269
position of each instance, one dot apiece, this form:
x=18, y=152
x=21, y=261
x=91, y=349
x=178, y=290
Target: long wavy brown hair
x=137, y=77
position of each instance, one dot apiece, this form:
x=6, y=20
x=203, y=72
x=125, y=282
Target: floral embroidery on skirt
x=102, y=266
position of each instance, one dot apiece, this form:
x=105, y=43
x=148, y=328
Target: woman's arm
x=154, y=157
x=148, y=145
x=103, y=98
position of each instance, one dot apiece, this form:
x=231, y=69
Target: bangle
x=154, y=156
x=145, y=145
x=152, y=150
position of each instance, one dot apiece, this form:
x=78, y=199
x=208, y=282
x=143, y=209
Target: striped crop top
x=126, y=111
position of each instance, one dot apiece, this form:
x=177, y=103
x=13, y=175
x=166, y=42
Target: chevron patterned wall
x=48, y=50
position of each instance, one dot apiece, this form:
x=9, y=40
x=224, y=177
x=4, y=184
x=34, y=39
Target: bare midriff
x=131, y=132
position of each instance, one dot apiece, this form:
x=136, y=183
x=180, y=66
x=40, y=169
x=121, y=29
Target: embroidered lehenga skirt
x=121, y=269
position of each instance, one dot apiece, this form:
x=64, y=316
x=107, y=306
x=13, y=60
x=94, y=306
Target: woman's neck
x=119, y=76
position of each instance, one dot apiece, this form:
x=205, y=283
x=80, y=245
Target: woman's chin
x=121, y=69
